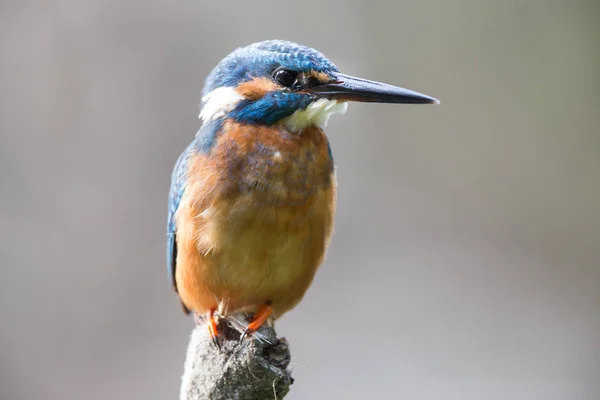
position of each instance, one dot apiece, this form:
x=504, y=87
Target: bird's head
x=275, y=80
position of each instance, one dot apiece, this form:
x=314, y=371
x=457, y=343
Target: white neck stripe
x=218, y=103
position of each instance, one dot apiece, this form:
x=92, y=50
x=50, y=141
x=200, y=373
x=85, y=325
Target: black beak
x=349, y=88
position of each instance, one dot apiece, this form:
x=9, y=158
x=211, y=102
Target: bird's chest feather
x=270, y=179
x=270, y=165
x=261, y=166
x=264, y=197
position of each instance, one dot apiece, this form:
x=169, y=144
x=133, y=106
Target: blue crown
x=262, y=58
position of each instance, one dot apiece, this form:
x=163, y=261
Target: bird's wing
x=179, y=181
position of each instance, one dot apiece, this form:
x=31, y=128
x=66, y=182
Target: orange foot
x=213, y=332
x=259, y=319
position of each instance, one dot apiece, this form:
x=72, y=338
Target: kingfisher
x=253, y=196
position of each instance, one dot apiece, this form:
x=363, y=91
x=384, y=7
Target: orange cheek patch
x=322, y=77
x=256, y=88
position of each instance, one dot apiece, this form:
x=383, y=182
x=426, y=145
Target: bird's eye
x=285, y=77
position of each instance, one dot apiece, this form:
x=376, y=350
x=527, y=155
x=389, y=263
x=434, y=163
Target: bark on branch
x=248, y=370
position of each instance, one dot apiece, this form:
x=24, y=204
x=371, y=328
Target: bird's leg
x=258, y=320
x=212, y=328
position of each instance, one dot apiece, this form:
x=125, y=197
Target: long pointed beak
x=349, y=88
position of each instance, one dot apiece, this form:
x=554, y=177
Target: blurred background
x=466, y=260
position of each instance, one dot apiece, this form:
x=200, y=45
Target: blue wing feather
x=178, y=183
x=204, y=141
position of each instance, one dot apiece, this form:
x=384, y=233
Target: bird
x=253, y=197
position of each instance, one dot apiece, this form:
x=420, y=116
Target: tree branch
x=250, y=370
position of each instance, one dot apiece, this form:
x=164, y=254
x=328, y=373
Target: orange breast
x=255, y=220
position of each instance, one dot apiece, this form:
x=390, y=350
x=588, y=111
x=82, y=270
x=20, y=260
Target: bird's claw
x=243, y=335
x=247, y=332
x=257, y=321
x=216, y=342
x=213, y=331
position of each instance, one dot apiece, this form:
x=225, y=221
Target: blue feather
x=207, y=135
x=261, y=59
x=270, y=108
x=178, y=184
x=204, y=141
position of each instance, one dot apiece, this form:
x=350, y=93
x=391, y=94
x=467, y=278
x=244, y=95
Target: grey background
x=466, y=260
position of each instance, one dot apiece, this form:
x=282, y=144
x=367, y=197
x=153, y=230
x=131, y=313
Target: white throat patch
x=317, y=113
x=218, y=103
